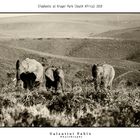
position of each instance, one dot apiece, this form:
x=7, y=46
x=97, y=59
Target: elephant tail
x=17, y=70
x=17, y=65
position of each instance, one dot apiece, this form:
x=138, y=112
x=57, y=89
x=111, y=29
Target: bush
x=87, y=108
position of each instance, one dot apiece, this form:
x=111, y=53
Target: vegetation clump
x=112, y=108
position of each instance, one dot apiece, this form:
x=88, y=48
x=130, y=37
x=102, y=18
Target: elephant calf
x=103, y=76
x=54, y=78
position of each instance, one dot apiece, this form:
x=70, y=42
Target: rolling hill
x=123, y=34
x=69, y=40
x=81, y=48
x=128, y=79
x=64, y=25
x=49, y=26
x=14, y=49
x=131, y=35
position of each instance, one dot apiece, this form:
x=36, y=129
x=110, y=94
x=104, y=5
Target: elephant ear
x=49, y=74
x=60, y=73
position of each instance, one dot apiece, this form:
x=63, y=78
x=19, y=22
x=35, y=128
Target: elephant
x=103, y=75
x=30, y=72
x=54, y=78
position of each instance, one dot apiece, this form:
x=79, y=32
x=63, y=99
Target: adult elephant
x=30, y=72
x=54, y=78
x=103, y=76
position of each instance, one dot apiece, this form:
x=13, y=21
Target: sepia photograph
x=70, y=70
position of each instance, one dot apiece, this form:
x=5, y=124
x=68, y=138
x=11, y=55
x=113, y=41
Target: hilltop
x=64, y=25
x=123, y=34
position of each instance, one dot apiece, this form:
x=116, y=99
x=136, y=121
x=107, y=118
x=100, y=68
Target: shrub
x=87, y=108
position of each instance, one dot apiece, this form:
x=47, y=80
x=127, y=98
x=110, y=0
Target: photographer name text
x=70, y=134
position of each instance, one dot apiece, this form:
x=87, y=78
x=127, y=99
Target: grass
x=83, y=108
x=127, y=34
x=129, y=79
x=83, y=48
x=97, y=51
x=80, y=105
x=95, y=48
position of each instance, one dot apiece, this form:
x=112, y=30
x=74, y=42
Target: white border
x=107, y=5
x=43, y=133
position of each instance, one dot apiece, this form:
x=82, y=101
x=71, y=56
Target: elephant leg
x=23, y=77
x=17, y=79
x=25, y=85
x=56, y=84
x=30, y=86
x=31, y=80
x=62, y=82
x=48, y=83
x=26, y=80
x=42, y=84
x=107, y=84
x=110, y=83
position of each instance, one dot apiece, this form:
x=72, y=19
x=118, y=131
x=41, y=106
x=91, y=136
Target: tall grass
x=86, y=108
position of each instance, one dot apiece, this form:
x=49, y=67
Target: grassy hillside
x=64, y=25
x=134, y=57
x=76, y=108
x=81, y=48
x=70, y=52
x=129, y=79
x=84, y=108
x=131, y=35
x=127, y=34
x=48, y=25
